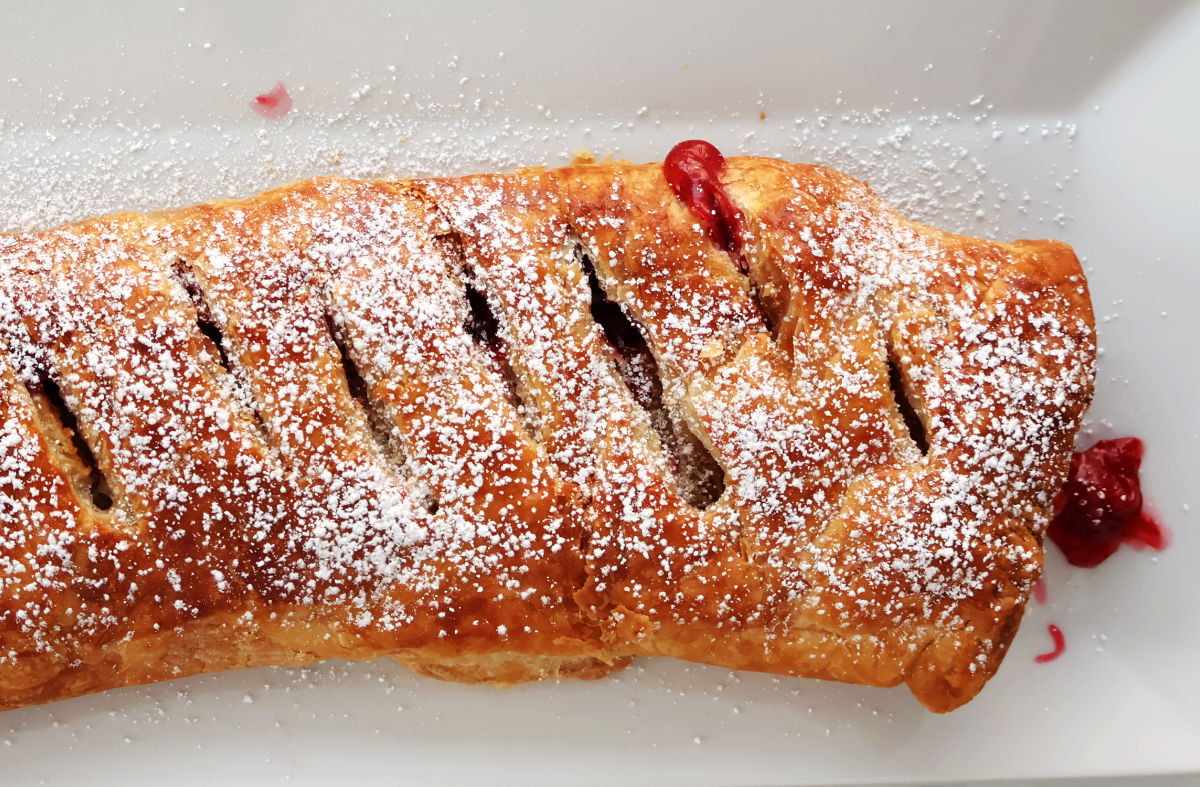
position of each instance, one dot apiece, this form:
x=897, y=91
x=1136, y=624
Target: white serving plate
x=1066, y=119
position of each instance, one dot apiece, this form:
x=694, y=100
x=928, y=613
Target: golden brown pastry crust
x=311, y=454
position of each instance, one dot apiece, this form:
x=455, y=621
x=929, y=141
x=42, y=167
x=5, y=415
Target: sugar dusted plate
x=1063, y=119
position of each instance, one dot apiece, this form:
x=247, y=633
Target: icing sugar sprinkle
x=291, y=410
x=296, y=402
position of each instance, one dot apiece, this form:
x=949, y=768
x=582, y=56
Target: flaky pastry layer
x=523, y=426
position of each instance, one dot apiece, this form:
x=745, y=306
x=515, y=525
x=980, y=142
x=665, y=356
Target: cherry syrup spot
x=1039, y=591
x=1060, y=645
x=274, y=104
x=693, y=170
x=1100, y=507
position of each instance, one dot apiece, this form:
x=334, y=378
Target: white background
x=1069, y=119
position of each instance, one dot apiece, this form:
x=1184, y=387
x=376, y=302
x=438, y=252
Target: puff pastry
x=530, y=425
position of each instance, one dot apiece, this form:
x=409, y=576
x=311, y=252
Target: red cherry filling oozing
x=1101, y=504
x=693, y=170
x=1100, y=507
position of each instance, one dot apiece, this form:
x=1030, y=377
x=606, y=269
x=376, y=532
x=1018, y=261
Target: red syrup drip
x=1060, y=645
x=273, y=104
x=693, y=170
x=1100, y=507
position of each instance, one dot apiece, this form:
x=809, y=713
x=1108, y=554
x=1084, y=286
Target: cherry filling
x=699, y=476
x=636, y=363
x=1100, y=507
x=693, y=170
x=96, y=483
x=484, y=329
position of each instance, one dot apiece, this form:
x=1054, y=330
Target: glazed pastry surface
x=511, y=427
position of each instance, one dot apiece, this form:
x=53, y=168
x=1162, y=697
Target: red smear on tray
x=1060, y=645
x=1039, y=591
x=274, y=104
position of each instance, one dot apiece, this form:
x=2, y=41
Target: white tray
x=1066, y=119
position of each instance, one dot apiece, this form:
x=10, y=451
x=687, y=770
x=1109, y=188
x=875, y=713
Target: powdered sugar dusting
x=103, y=155
x=386, y=491
x=284, y=400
